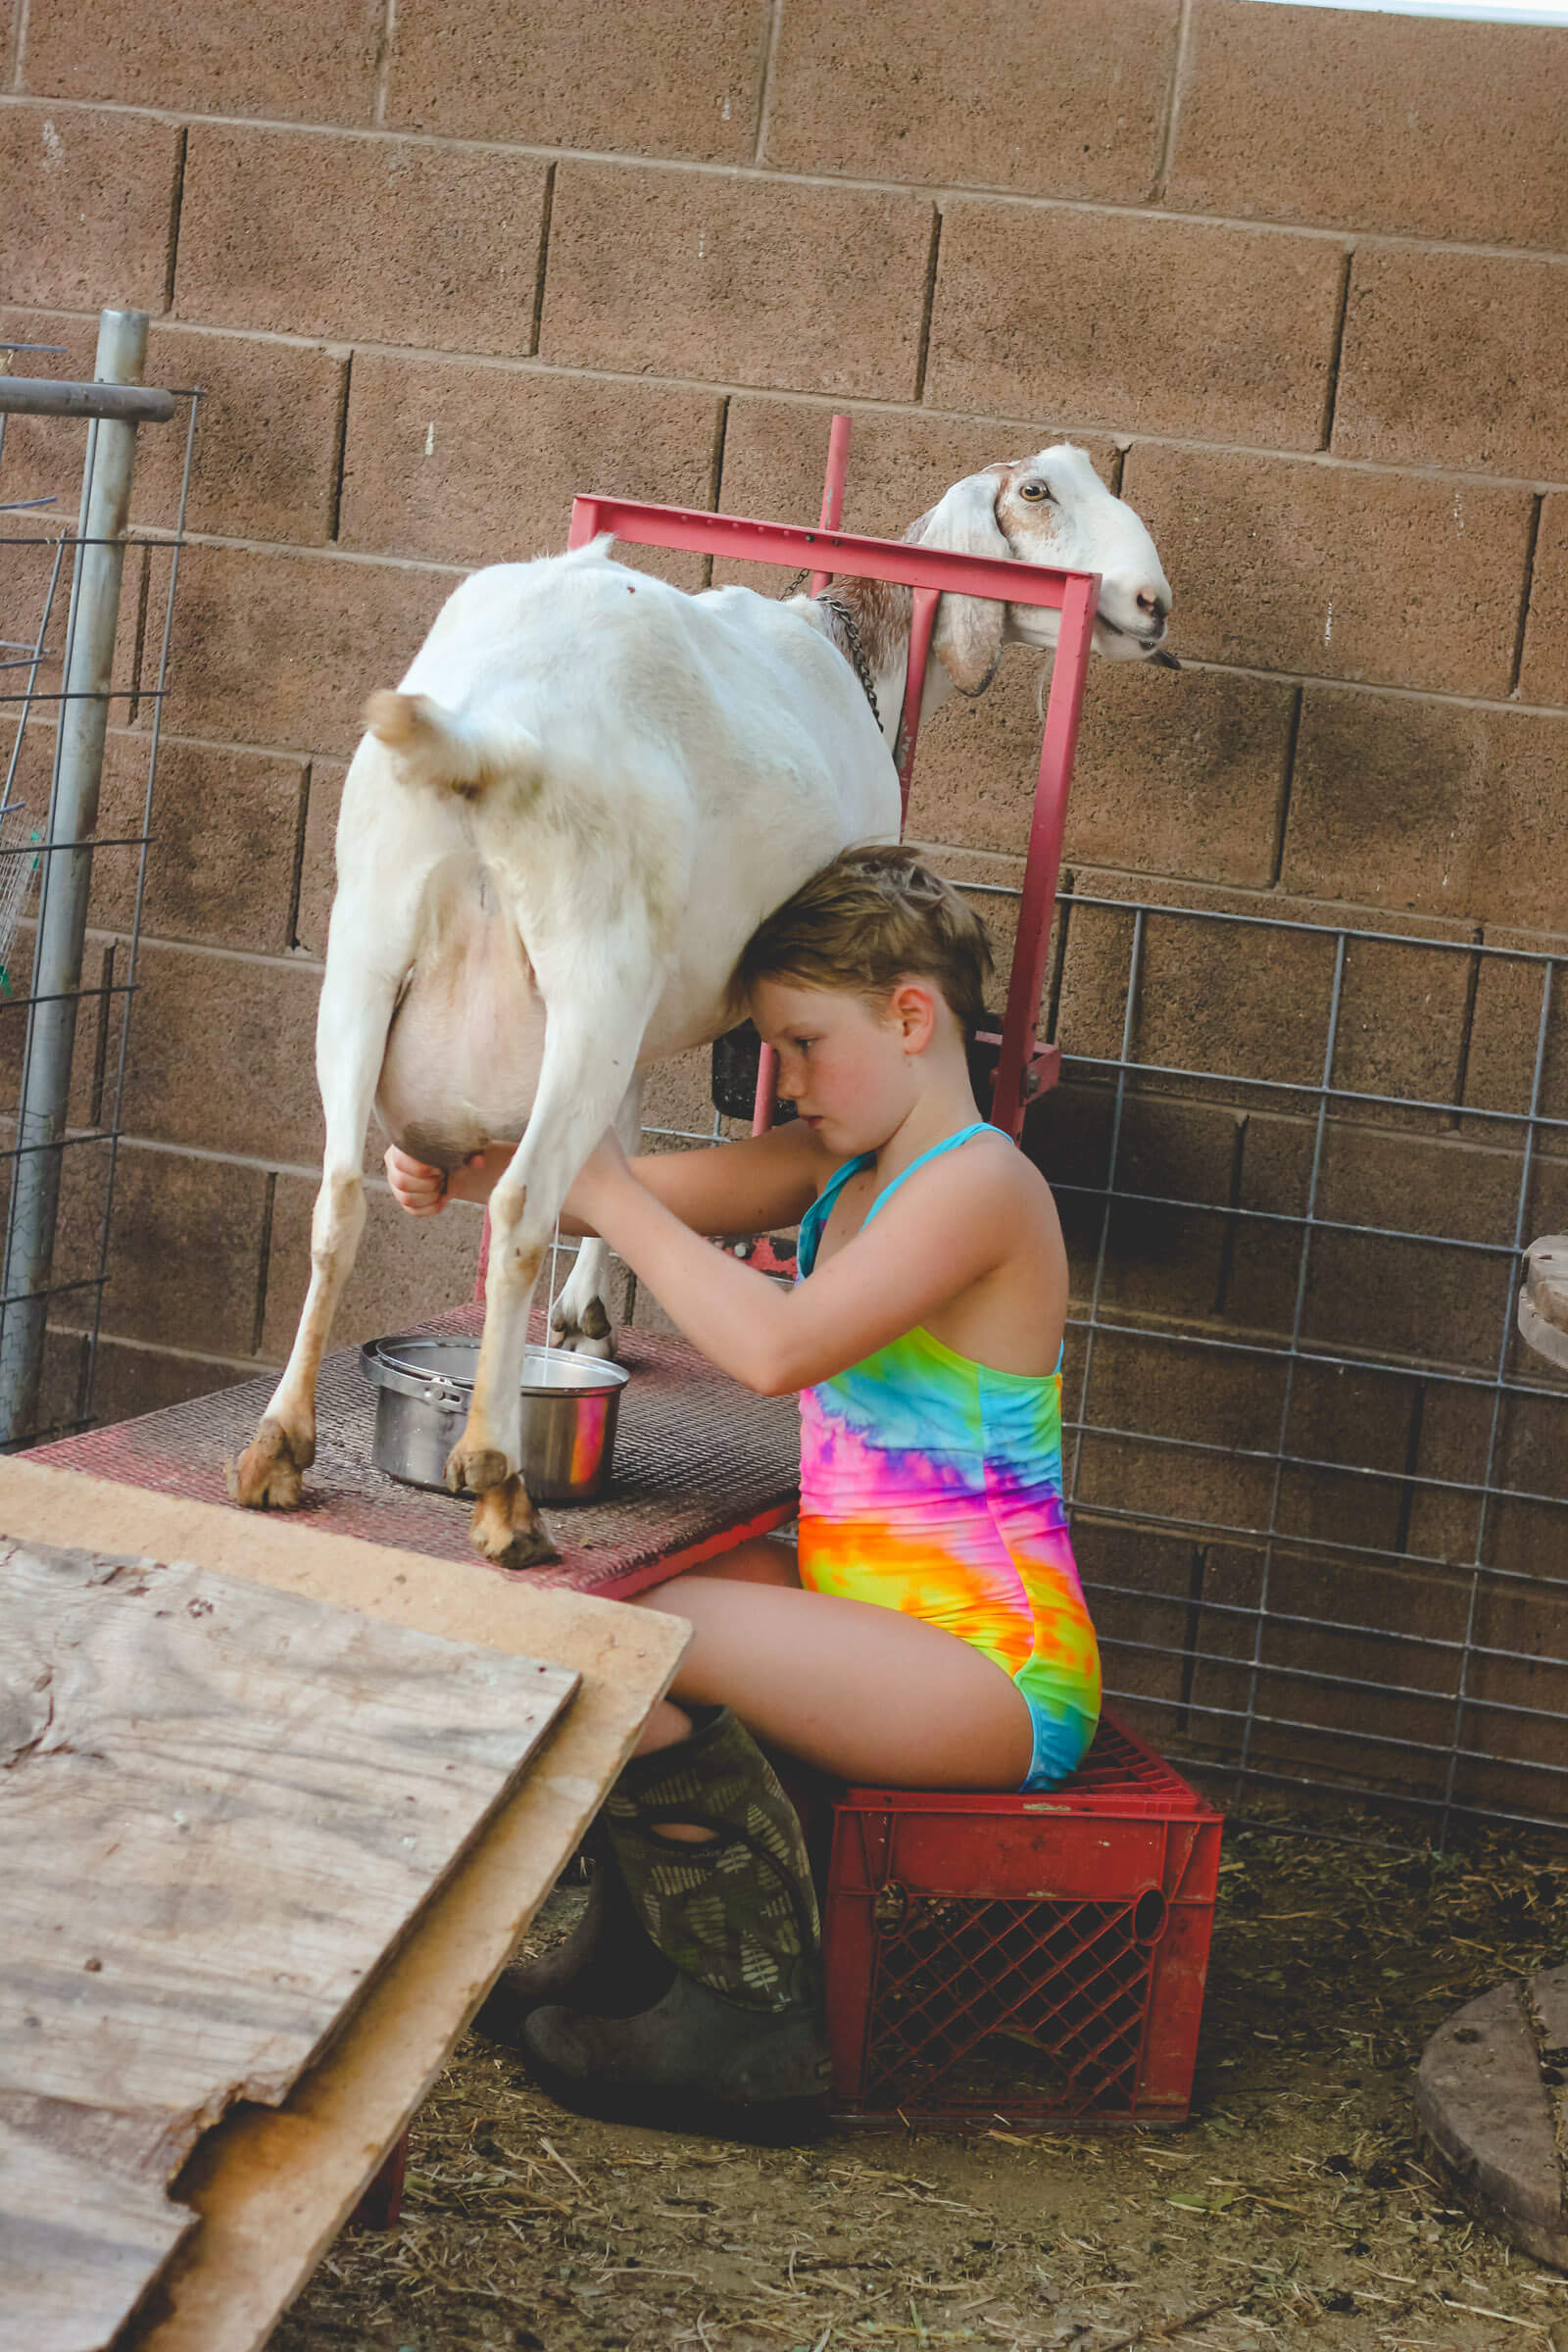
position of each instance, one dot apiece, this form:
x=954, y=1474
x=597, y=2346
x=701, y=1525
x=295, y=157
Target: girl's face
x=847, y=1066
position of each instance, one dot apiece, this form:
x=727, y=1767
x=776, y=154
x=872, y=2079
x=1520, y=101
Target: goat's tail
x=434, y=746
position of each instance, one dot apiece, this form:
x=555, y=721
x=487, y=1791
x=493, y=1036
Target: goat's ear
x=967, y=638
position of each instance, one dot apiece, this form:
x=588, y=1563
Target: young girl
x=929, y=1630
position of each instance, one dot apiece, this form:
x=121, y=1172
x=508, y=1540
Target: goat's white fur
x=588, y=790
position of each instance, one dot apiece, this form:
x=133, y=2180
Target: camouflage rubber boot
x=736, y=2042
x=606, y=1964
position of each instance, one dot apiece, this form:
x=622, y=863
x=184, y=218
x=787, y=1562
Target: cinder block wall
x=1295, y=278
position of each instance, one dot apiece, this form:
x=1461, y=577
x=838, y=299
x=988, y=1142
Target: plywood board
x=220, y=1805
x=274, y=2185
x=86, y=2221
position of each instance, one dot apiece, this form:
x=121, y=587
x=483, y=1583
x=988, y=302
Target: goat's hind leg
x=579, y=1091
x=350, y=1041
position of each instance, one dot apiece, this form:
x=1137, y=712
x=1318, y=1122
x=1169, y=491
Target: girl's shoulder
x=985, y=1177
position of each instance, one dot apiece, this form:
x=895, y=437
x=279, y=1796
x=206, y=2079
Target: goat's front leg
x=590, y=1041
x=351, y=1033
x=580, y=1320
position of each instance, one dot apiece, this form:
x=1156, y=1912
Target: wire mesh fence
x=86, y=607
x=1320, y=1487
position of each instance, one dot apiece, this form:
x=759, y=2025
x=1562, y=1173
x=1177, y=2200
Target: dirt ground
x=1295, y=2207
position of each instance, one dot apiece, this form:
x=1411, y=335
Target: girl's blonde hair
x=873, y=917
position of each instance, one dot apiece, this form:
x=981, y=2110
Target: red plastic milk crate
x=1022, y=1959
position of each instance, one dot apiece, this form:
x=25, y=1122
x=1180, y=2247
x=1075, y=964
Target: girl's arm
x=933, y=1241
x=724, y=1189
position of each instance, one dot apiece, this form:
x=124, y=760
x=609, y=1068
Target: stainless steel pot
x=423, y=1386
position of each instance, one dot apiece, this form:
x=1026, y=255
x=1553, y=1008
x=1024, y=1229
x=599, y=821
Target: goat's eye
x=1035, y=491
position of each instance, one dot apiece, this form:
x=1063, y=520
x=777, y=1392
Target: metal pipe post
x=832, y=514
x=67, y=879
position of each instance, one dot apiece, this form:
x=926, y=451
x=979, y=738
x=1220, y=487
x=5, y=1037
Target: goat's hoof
x=590, y=1334
x=507, y=1529
x=476, y=1469
x=269, y=1474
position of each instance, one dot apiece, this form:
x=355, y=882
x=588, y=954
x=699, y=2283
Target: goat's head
x=1049, y=509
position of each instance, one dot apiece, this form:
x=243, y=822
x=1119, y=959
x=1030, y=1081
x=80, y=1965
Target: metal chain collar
x=857, y=651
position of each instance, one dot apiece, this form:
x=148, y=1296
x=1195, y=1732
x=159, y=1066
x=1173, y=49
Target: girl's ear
x=912, y=1004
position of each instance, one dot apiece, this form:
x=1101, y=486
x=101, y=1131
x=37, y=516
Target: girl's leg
x=762, y=1560
x=862, y=1692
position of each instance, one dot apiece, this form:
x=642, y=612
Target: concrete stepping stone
x=1492, y=2102
x=1543, y=1298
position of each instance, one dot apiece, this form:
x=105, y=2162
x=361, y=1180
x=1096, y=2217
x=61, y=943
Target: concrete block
x=1434, y=806
x=318, y=872
x=130, y=1380
x=1022, y=326
x=476, y=465
x=666, y=78
x=267, y=441
x=1516, y=1686
x=1139, y=1587
x=1222, y=1640
x=1356, y=1427
x=1480, y=2102
x=1334, y=571
x=1172, y=775
x=1246, y=1001
x=283, y=649
x=1414, y=1298
x=89, y=206
x=184, y=1247
x=1189, y=1418
x=677, y=1095
x=1159, y=1259
x=223, y=1055
x=991, y=886
x=288, y=60
x=1070, y=106
x=1543, y=670
x=1506, y=1037
x=380, y=240
x=268, y=436
x=225, y=831
x=1456, y=1447
x=1453, y=359
x=692, y=275
x=1367, y=122
x=407, y=1269
x=1278, y=1691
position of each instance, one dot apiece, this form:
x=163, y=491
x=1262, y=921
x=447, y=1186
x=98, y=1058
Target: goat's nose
x=1152, y=604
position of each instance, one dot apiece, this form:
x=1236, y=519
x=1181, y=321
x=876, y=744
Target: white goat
x=586, y=794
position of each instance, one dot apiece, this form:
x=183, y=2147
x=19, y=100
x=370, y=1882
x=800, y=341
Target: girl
x=928, y=1631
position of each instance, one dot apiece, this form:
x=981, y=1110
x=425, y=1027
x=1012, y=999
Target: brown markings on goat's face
x=1026, y=516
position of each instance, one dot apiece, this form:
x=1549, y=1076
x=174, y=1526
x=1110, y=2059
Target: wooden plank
x=81, y=2242
x=219, y=1807
x=274, y=2185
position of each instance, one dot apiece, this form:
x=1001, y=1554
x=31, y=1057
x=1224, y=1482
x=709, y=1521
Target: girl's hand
x=418, y=1189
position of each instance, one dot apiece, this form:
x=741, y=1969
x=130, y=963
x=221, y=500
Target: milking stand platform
x=700, y=1465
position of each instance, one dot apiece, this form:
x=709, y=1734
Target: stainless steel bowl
x=423, y=1386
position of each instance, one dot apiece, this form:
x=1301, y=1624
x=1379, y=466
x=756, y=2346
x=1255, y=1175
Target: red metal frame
x=1026, y=1067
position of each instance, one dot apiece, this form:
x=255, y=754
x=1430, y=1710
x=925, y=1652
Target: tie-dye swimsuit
x=933, y=1485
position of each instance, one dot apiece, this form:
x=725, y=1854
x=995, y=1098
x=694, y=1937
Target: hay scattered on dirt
x=1294, y=2208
